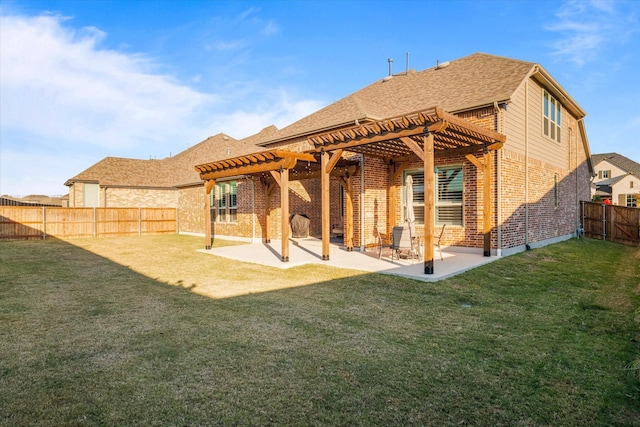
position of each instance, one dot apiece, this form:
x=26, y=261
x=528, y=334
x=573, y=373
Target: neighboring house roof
x=618, y=161
x=164, y=173
x=610, y=181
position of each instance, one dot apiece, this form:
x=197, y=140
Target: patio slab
x=309, y=251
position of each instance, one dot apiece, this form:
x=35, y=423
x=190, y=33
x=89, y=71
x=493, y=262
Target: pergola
x=400, y=140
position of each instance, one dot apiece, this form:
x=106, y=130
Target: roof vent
x=440, y=65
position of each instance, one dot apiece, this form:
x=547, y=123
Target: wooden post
x=326, y=213
x=349, y=214
x=284, y=210
x=208, y=186
x=392, y=200
x=429, y=200
x=487, y=203
x=267, y=212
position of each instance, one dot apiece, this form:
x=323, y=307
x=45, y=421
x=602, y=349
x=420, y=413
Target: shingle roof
x=619, y=161
x=168, y=172
x=473, y=81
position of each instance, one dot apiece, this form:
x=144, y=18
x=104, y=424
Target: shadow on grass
x=89, y=340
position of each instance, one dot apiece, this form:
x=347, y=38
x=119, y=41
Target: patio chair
x=380, y=245
x=402, y=240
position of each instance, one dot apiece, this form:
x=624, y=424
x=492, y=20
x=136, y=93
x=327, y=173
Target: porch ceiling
x=402, y=136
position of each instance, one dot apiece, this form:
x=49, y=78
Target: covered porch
x=399, y=141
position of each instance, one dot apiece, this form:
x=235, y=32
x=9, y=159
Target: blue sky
x=82, y=80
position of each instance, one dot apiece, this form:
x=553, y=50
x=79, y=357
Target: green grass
x=147, y=331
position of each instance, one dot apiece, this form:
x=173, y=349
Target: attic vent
x=440, y=65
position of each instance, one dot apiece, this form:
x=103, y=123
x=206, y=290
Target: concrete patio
x=308, y=250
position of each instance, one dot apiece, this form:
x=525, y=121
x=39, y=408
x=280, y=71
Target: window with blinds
x=448, y=195
x=224, y=202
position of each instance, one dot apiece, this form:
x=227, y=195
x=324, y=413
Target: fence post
x=583, y=225
x=604, y=222
x=139, y=222
x=177, y=221
x=95, y=223
x=44, y=223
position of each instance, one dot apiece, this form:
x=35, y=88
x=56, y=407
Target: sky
x=81, y=80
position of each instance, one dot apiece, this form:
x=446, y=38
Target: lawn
x=147, y=331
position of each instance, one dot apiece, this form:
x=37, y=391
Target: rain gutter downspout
x=526, y=165
x=499, y=129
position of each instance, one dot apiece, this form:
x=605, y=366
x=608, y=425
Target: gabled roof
x=470, y=82
x=618, y=161
x=176, y=171
x=610, y=181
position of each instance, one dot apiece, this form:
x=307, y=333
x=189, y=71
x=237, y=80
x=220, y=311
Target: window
x=224, y=202
x=551, y=120
x=604, y=174
x=448, y=195
x=631, y=201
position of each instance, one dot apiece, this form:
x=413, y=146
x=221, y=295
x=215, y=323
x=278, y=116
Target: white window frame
x=551, y=117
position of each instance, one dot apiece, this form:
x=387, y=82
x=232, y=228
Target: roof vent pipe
x=390, y=63
x=406, y=70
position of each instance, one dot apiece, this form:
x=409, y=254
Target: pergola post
x=349, y=214
x=284, y=209
x=487, y=203
x=429, y=200
x=326, y=214
x=485, y=166
x=267, y=211
x=208, y=187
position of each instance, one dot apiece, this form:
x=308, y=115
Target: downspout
x=362, y=202
x=526, y=165
x=577, y=185
x=499, y=129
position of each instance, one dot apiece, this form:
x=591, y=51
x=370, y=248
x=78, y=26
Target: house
x=168, y=182
x=505, y=145
x=617, y=179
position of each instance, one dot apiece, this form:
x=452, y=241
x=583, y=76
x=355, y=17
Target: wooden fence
x=608, y=222
x=31, y=222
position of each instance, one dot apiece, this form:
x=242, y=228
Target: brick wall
x=138, y=197
x=191, y=209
